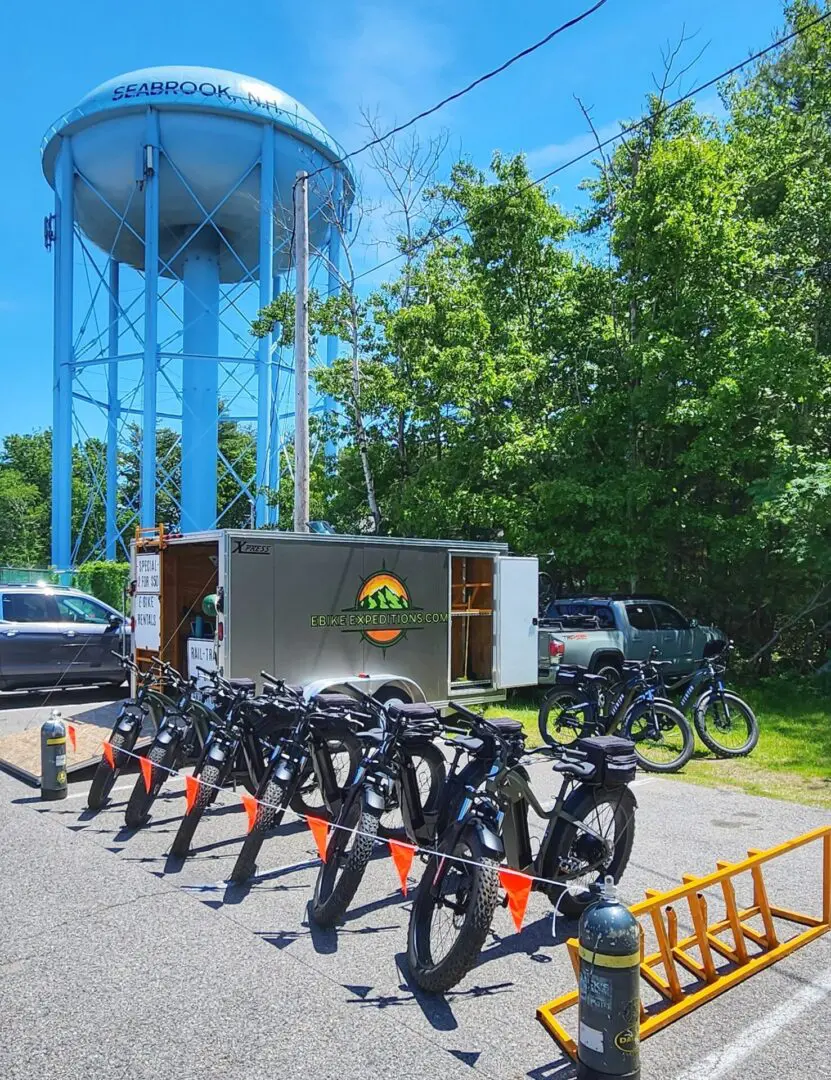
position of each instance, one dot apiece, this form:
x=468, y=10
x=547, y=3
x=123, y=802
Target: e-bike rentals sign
x=147, y=605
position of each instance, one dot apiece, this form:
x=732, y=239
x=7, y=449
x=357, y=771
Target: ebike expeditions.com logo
x=383, y=612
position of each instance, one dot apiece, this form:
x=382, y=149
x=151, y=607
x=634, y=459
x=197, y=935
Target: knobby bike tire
x=709, y=732
x=339, y=877
x=668, y=718
x=392, y=823
x=141, y=800
x=479, y=901
x=105, y=777
x=308, y=798
x=268, y=817
x=206, y=794
x=561, y=698
x=586, y=804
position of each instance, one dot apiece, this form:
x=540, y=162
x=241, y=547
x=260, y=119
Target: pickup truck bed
x=600, y=632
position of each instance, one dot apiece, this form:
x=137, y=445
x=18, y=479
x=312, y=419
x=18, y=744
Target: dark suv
x=50, y=634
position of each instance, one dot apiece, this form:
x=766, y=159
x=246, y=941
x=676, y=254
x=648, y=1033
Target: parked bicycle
x=286, y=751
x=589, y=834
x=182, y=734
x=726, y=724
x=582, y=704
x=142, y=712
x=402, y=771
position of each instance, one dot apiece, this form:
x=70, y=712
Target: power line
x=469, y=219
x=465, y=90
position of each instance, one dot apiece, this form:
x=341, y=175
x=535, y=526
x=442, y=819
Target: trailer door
x=517, y=607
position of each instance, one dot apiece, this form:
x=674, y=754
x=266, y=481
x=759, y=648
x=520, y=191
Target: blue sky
x=334, y=56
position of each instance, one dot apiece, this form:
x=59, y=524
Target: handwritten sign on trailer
x=148, y=574
x=147, y=611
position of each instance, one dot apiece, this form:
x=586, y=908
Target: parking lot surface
x=117, y=961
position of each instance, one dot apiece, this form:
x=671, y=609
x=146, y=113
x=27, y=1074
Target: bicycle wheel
x=346, y=756
x=141, y=800
x=206, y=794
x=449, y=921
x=604, y=829
x=269, y=815
x=726, y=724
x=559, y=723
x=105, y=777
x=431, y=775
x=662, y=735
x=347, y=856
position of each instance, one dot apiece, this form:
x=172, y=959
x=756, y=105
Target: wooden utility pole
x=301, y=354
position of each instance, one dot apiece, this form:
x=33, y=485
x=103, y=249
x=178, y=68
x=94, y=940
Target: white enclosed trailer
x=425, y=620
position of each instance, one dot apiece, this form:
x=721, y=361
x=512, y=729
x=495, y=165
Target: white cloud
x=385, y=61
x=548, y=157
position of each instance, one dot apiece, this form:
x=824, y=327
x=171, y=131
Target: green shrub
x=104, y=580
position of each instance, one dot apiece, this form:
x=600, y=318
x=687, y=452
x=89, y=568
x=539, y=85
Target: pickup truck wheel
x=559, y=723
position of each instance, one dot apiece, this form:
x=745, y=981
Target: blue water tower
x=172, y=227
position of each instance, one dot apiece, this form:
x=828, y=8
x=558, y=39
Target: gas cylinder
x=608, y=1040
x=53, y=757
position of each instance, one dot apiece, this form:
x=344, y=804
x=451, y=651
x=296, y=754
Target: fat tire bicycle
x=588, y=836
x=582, y=705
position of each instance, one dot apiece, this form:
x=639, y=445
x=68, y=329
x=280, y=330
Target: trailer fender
x=387, y=683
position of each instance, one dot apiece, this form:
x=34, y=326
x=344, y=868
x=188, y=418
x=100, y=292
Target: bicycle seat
x=660, y=663
x=588, y=677
x=505, y=725
x=287, y=689
x=242, y=684
x=375, y=734
x=467, y=742
x=414, y=711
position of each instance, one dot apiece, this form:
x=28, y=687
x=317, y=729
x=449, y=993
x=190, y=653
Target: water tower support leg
x=266, y=272
x=274, y=434
x=62, y=386
x=151, y=313
x=334, y=285
x=111, y=534
x=200, y=381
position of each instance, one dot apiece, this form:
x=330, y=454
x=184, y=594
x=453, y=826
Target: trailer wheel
x=386, y=694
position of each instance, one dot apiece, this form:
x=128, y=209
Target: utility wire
x=461, y=93
x=468, y=219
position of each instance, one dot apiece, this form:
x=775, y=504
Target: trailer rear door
x=516, y=621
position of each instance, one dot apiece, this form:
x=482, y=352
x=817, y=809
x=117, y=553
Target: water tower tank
x=175, y=184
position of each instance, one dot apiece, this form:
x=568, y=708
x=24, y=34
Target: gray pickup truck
x=600, y=632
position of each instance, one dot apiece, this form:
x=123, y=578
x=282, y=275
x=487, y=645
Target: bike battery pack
x=613, y=758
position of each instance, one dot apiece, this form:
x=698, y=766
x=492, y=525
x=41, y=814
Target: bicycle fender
x=491, y=842
x=373, y=800
x=217, y=754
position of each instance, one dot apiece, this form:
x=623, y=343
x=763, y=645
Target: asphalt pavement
x=116, y=961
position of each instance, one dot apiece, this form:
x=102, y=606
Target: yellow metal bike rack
x=749, y=950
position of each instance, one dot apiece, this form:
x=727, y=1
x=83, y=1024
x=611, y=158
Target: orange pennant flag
x=147, y=772
x=73, y=740
x=402, y=856
x=320, y=831
x=250, y=804
x=517, y=886
x=107, y=749
x=191, y=790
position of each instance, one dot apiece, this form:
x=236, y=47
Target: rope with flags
x=516, y=884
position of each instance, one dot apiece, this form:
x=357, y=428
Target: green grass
x=792, y=760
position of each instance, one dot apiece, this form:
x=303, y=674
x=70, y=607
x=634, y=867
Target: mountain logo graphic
x=383, y=592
